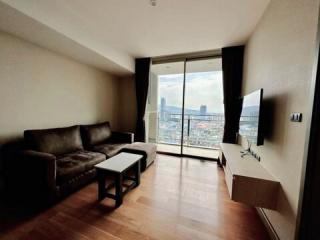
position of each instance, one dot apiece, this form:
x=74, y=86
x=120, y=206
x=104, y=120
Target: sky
x=252, y=99
x=202, y=88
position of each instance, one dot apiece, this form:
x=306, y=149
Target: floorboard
x=178, y=199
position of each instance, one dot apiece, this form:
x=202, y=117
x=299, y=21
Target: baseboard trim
x=186, y=155
x=271, y=231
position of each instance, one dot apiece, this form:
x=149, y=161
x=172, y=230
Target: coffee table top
x=119, y=162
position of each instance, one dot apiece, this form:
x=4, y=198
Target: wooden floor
x=178, y=198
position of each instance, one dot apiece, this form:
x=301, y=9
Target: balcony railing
x=203, y=131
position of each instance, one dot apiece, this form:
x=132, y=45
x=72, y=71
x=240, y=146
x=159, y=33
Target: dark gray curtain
x=142, y=73
x=232, y=67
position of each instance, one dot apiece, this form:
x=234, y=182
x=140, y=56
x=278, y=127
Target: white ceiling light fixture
x=153, y=3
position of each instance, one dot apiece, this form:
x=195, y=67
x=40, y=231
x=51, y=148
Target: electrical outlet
x=296, y=117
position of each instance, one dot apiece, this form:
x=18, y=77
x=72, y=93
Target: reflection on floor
x=194, y=151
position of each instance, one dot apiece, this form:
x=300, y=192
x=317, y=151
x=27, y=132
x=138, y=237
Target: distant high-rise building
x=163, y=108
x=163, y=104
x=203, y=110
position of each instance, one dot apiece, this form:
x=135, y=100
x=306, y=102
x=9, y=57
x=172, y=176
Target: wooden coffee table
x=117, y=167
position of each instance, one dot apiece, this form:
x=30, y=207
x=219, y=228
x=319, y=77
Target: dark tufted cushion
x=96, y=133
x=72, y=164
x=109, y=149
x=56, y=141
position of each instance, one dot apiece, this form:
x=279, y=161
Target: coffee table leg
x=137, y=173
x=119, y=192
x=101, y=185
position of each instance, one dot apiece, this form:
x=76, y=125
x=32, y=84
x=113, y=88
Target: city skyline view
x=202, y=88
x=203, y=108
x=203, y=111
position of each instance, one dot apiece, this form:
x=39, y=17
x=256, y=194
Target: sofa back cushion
x=56, y=141
x=95, y=134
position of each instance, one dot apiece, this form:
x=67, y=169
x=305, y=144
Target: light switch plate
x=296, y=117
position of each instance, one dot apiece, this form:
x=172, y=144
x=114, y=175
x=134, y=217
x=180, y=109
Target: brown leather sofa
x=99, y=138
x=58, y=161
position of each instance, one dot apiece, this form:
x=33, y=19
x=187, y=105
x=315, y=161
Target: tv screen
x=251, y=118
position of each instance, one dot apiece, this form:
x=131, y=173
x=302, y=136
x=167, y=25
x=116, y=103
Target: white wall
x=41, y=89
x=279, y=58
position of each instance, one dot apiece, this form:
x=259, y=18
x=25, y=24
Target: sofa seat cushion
x=72, y=164
x=109, y=149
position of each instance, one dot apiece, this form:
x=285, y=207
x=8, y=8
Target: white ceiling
x=18, y=24
x=121, y=30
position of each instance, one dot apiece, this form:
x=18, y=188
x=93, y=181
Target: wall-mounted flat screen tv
x=250, y=125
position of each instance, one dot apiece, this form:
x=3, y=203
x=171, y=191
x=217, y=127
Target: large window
x=185, y=107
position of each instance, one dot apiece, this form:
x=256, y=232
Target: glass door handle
x=188, y=127
x=188, y=132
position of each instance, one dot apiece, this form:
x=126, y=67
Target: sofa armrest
x=122, y=137
x=39, y=168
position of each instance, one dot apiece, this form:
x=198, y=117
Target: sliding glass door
x=185, y=107
x=164, y=106
x=203, y=107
